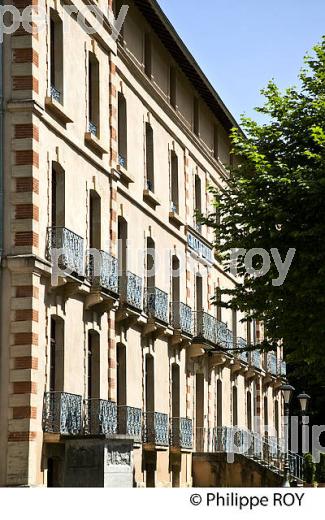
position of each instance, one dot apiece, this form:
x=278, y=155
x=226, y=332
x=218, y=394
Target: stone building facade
x=111, y=147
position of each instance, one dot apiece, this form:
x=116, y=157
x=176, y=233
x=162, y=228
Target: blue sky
x=241, y=44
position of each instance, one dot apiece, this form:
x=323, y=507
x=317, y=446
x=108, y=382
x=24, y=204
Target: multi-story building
x=111, y=147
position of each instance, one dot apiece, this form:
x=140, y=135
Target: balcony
x=182, y=317
x=242, y=355
x=92, y=128
x=55, y=94
x=66, y=248
x=255, y=359
x=271, y=363
x=100, y=417
x=102, y=271
x=157, y=304
x=224, y=336
x=205, y=326
x=131, y=290
x=181, y=433
x=130, y=422
x=62, y=413
x=155, y=429
x=282, y=369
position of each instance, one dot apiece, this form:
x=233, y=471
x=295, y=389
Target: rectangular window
x=173, y=87
x=93, y=95
x=150, y=158
x=147, y=55
x=196, y=117
x=174, y=182
x=56, y=57
x=122, y=130
x=216, y=143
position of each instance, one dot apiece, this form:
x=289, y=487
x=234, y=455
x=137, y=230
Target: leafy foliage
x=275, y=198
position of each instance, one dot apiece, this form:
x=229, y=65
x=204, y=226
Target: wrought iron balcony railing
x=224, y=336
x=181, y=433
x=255, y=359
x=62, y=413
x=155, y=428
x=271, y=363
x=131, y=290
x=130, y=422
x=92, y=128
x=282, y=368
x=102, y=270
x=182, y=317
x=55, y=94
x=122, y=160
x=242, y=354
x=100, y=417
x=205, y=326
x=67, y=248
x=157, y=304
x=267, y=451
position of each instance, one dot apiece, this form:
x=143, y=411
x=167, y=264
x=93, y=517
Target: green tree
x=275, y=198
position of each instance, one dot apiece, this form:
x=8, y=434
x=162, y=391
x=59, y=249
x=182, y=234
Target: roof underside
x=169, y=37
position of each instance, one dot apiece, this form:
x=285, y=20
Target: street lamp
x=287, y=391
x=304, y=402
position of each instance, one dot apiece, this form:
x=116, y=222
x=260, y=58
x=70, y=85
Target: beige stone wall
x=35, y=139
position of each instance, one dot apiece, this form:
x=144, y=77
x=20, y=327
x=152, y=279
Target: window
x=93, y=95
x=249, y=411
x=266, y=416
x=95, y=221
x=56, y=374
x=150, y=158
x=196, y=117
x=234, y=325
x=219, y=403
x=173, y=87
x=147, y=55
x=218, y=304
x=151, y=256
x=216, y=143
x=198, y=201
x=58, y=196
x=93, y=365
x=174, y=182
x=56, y=57
x=121, y=374
x=234, y=406
x=122, y=130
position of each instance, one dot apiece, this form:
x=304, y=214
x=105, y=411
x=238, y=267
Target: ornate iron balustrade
x=122, y=160
x=62, y=413
x=155, y=429
x=100, y=417
x=205, y=326
x=131, y=290
x=181, y=433
x=92, y=128
x=182, y=317
x=267, y=451
x=282, y=368
x=130, y=422
x=69, y=249
x=271, y=363
x=242, y=344
x=102, y=270
x=157, y=304
x=55, y=94
x=255, y=359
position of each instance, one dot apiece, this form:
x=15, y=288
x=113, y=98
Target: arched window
x=58, y=196
x=174, y=182
x=56, y=56
x=95, y=221
x=150, y=158
x=93, y=95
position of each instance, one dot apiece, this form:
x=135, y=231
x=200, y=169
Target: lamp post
x=287, y=391
x=303, y=399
